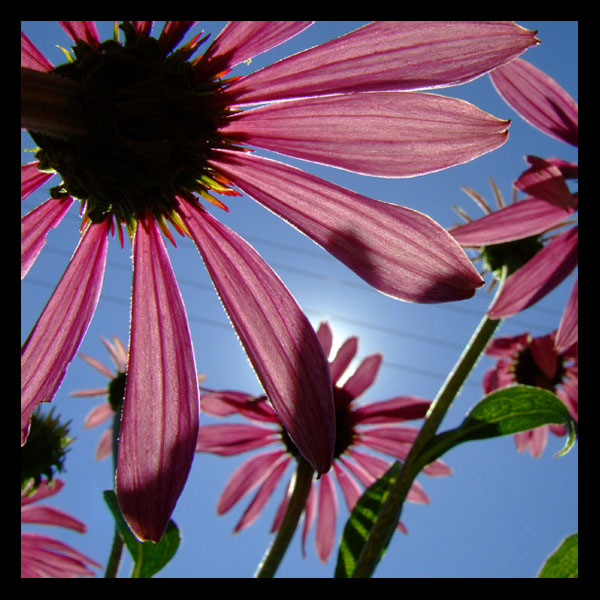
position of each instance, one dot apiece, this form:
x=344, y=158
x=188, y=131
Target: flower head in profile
x=538, y=266
x=44, y=556
x=360, y=430
x=525, y=360
x=142, y=131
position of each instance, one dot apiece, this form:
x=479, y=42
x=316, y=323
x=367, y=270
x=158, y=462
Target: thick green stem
x=51, y=105
x=390, y=514
x=296, y=504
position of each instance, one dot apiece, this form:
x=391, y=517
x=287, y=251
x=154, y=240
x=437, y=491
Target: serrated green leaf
x=564, y=563
x=506, y=411
x=148, y=557
x=361, y=521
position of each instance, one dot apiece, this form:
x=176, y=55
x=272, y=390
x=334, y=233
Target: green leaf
x=148, y=557
x=361, y=521
x=564, y=563
x=506, y=411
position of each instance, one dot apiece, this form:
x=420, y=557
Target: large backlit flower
x=537, y=362
x=372, y=426
x=140, y=131
x=41, y=555
x=548, y=107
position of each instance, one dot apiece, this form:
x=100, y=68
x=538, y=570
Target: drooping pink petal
x=242, y=40
x=538, y=99
x=310, y=512
x=31, y=57
x=325, y=337
x=386, y=134
x=98, y=415
x=246, y=477
x=49, y=515
x=234, y=438
x=545, y=180
x=56, y=336
x=393, y=435
x=96, y=364
x=567, y=333
x=400, y=408
x=506, y=346
x=535, y=440
x=264, y=493
x=389, y=55
x=32, y=178
x=82, y=30
x=364, y=376
x=223, y=403
x=343, y=358
x=400, y=252
x=46, y=489
x=497, y=377
x=537, y=277
x=35, y=226
x=43, y=556
x=159, y=423
x=522, y=219
x=278, y=338
x=105, y=443
x=326, y=516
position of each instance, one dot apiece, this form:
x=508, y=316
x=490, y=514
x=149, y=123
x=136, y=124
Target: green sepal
x=361, y=521
x=507, y=411
x=564, y=563
x=148, y=557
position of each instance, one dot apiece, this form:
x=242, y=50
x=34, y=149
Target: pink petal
x=325, y=337
x=497, y=377
x=389, y=55
x=537, y=277
x=386, y=134
x=326, y=516
x=96, y=364
x=82, y=30
x=278, y=338
x=225, y=402
x=48, y=515
x=35, y=226
x=393, y=435
x=56, y=336
x=45, y=490
x=262, y=496
x=173, y=32
x=506, y=346
x=522, y=219
x=310, y=511
x=350, y=489
x=364, y=376
x=242, y=40
x=567, y=333
x=343, y=358
x=43, y=556
x=246, y=477
x=159, y=424
x=399, y=251
x=235, y=438
x=98, y=415
x=544, y=354
x=545, y=180
x=32, y=178
x=538, y=99
x=104, y=447
x=31, y=57
x=400, y=408
x=534, y=439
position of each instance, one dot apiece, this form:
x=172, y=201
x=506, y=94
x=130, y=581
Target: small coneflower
x=141, y=130
x=360, y=430
x=536, y=362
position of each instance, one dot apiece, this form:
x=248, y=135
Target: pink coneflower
x=374, y=426
x=537, y=362
x=140, y=131
x=550, y=203
x=44, y=556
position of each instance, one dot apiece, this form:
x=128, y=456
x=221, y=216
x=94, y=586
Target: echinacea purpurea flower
x=370, y=426
x=145, y=130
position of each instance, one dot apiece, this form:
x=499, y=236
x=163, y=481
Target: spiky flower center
x=150, y=125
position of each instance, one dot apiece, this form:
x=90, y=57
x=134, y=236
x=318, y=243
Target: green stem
x=116, y=550
x=296, y=504
x=392, y=509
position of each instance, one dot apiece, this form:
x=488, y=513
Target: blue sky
x=498, y=515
